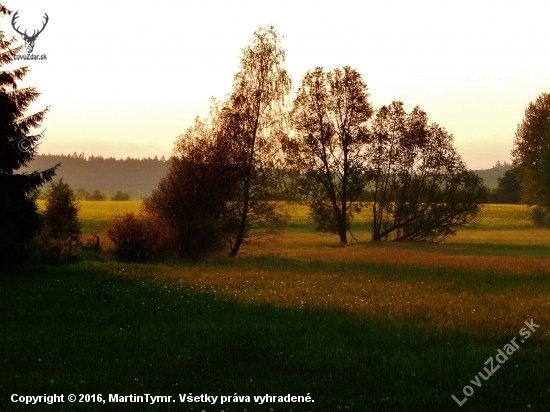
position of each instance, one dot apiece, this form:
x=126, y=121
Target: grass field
x=365, y=327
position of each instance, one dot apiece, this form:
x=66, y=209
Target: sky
x=127, y=78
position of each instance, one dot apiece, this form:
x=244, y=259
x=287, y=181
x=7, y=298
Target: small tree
x=60, y=234
x=251, y=122
x=532, y=152
x=532, y=157
x=508, y=189
x=422, y=190
x=330, y=115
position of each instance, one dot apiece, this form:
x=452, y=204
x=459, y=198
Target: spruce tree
x=19, y=217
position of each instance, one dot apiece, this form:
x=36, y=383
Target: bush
x=138, y=237
x=97, y=195
x=135, y=194
x=540, y=216
x=120, y=196
x=60, y=233
x=82, y=194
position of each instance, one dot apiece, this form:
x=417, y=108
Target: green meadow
x=363, y=327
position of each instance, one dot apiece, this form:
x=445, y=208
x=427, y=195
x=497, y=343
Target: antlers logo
x=29, y=40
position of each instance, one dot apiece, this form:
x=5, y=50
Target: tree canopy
x=422, y=190
x=329, y=117
x=532, y=152
x=250, y=123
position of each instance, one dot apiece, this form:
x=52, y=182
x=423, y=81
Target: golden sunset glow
x=126, y=78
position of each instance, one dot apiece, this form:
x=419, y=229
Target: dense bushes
x=139, y=237
x=540, y=216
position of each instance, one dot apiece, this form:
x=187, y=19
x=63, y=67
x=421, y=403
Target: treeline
x=491, y=176
x=503, y=180
x=106, y=174
x=138, y=177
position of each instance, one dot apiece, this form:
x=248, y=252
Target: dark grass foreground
x=82, y=330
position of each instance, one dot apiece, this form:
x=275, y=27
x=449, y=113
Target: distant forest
x=110, y=174
x=490, y=176
x=105, y=174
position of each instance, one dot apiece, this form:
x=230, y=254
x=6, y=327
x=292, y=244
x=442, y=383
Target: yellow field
x=493, y=216
x=95, y=215
x=500, y=224
x=102, y=210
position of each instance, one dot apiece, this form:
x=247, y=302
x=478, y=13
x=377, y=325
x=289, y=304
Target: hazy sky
x=126, y=78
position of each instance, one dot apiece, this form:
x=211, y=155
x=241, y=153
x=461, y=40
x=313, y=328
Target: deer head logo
x=29, y=40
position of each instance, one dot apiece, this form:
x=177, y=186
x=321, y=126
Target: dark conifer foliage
x=19, y=219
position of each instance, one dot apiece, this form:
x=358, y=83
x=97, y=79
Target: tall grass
x=365, y=327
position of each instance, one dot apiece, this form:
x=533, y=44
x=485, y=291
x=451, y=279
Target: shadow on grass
x=506, y=250
x=79, y=330
x=464, y=279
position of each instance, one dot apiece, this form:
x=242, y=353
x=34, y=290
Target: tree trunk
x=342, y=230
x=244, y=218
x=343, y=236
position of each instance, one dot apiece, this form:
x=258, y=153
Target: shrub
x=97, y=195
x=135, y=194
x=540, y=216
x=120, y=196
x=60, y=233
x=82, y=194
x=138, y=237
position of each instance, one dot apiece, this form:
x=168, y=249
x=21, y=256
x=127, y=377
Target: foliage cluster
x=59, y=236
x=192, y=199
x=532, y=152
x=532, y=158
x=138, y=237
x=119, y=195
x=508, y=189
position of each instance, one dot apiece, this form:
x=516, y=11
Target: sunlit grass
x=364, y=326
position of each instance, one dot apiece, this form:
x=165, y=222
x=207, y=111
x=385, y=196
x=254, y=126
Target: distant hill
x=490, y=176
x=105, y=174
x=110, y=174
